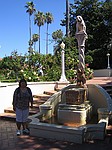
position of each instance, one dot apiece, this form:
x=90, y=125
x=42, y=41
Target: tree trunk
x=67, y=18
x=47, y=40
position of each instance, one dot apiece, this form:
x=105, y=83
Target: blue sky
x=14, y=25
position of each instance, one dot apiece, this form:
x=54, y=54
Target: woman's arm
x=14, y=100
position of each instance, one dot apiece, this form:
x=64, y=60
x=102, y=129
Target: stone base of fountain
x=78, y=134
x=57, y=132
x=74, y=109
x=74, y=114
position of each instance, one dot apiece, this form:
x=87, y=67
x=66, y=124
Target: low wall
x=57, y=132
x=99, y=97
x=66, y=133
x=103, y=73
x=49, y=108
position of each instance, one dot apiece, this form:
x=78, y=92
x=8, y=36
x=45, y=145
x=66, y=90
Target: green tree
x=35, y=38
x=48, y=20
x=39, y=19
x=52, y=70
x=57, y=36
x=99, y=27
x=30, y=10
x=11, y=65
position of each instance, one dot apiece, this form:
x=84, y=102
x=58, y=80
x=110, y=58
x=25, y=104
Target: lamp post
x=63, y=77
x=108, y=55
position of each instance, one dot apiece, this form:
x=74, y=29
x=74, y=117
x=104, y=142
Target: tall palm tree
x=30, y=9
x=35, y=38
x=39, y=19
x=49, y=19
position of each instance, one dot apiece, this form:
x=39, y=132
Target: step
x=107, y=87
x=42, y=96
x=9, y=110
x=32, y=111
x=50, y=92
x=38, y=101
x=8, y=116
x=58, y=89
x=109, y=90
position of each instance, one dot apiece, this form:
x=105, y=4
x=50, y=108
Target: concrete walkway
x=100, y=80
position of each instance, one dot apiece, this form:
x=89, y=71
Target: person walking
x=22, y=99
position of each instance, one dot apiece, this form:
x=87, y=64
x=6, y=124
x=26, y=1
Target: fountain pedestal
x=75, y=115
x=76, y=110
x=75, y=96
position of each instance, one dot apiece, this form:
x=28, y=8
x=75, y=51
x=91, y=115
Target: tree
x=30, y=9
x=99, y=27
x=35, y=38
x=57, y=36
x=48, y=20
x=39, y=20
x=67, y=18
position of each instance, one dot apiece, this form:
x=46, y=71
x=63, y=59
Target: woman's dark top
x=21, y=99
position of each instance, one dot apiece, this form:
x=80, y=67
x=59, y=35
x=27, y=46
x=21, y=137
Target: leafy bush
x=15, y=67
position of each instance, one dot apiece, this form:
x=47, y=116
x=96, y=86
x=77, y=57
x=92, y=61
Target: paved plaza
x=9, y=141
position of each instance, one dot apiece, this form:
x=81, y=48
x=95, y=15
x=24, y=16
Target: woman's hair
x=22, y=80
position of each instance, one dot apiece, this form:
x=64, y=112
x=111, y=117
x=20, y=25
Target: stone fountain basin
x=66, y=133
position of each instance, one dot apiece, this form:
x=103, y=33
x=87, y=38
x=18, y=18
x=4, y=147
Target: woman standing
x=21, y=98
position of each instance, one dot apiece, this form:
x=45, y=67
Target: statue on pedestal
x=81, y=36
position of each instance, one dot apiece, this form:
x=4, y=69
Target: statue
x=81, y=36
x=81, y=79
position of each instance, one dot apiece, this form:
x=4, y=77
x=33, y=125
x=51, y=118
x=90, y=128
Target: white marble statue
x=81, y=36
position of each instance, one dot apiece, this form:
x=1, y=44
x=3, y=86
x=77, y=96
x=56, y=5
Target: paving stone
x=9, y=141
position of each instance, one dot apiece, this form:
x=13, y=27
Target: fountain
x=67, y=114
x=76, y=108
x=61, y=119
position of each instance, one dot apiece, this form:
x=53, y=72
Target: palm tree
x=49, y=19
x=35, y=38
x=39, y=20
x=56, y=35
x=30, y=9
